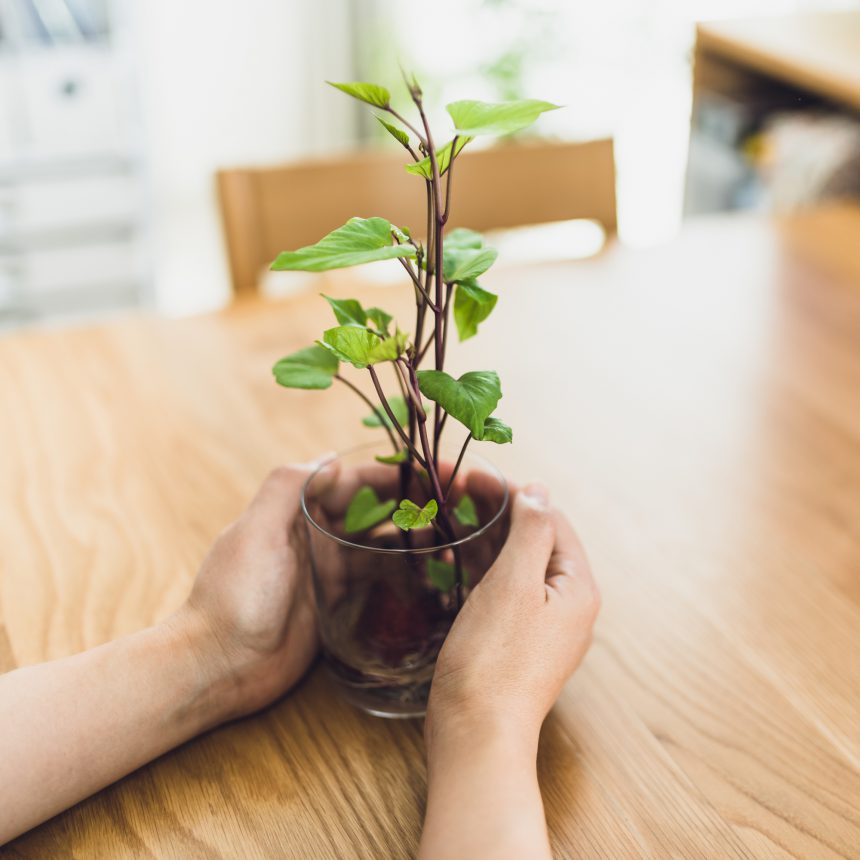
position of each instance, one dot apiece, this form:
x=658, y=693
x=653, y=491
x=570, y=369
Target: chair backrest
x=266, y=210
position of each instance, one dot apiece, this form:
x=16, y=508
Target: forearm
x=73, y=726
x=483, y=796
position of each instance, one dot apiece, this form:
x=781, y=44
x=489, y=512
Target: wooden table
x=696, y=410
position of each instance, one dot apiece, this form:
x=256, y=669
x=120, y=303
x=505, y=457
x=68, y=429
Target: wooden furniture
x=815, y=54
x=747, y=71
x=695, y=410
x=268, y=209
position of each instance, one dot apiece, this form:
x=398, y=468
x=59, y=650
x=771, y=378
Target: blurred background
x=116, y=114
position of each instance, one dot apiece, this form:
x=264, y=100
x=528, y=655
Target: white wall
x=224, y=83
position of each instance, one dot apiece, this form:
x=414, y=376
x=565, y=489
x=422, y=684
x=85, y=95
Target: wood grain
x=698, y=416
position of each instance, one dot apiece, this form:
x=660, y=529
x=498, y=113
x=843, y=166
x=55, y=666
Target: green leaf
x=463, y=264
x=397, y=133
x=392, y=459
x=379, y=318
x=347, y=311
x=470, y=399
x=474, y=117
x=466, y=512
x=443, y=159
x=361, y=347
x=496, y=431
x=410, y=516
x=365, y=511
x=360, y=240
x=441, y=574
x=398, y=407
x=472, y=305
x=313, y=367
x=373, y=94
x=463, y=238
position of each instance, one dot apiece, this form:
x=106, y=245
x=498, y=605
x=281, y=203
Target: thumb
x=530, y=542
x=276, y=504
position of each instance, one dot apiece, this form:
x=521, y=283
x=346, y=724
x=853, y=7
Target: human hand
x=250, y=616
x=522, y=632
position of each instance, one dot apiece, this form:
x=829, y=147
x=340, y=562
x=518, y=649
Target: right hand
x=523, y=630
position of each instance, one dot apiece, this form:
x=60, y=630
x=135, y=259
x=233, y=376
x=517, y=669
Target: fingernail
x=321, y=460
x=536, y=494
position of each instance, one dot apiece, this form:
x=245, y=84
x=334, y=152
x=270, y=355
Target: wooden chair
x=266, y=210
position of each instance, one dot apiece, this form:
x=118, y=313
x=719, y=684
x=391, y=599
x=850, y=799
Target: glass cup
x=386, y=598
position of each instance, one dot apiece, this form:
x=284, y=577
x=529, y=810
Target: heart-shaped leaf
x=361, y=347
x=380, y=319
x=360, y=240
x=366, y=510
x=465, y=264
x=474, y=117
x=497, y=431
x=372, y=94
x=410, y=516
x=466, y=512
x=347, y=311
x=398, y=407
x=470, y=399
x=397, y=133
x=442, y=574
x=313, y=367
x=392, y=459
x=472, y=305
x=443, y=159
x=463, y=238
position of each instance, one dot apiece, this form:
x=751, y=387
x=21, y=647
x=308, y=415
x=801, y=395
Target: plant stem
x=457, y=466
x=409, y=392
x=373, y=408
x=407, y=124
x=417, y=282
x=439, y=226
x=448, y=182
x=395, y=423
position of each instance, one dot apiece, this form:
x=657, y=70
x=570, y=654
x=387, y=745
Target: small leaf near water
x=313, y=367
x=372, y=94
x=392, y=459
x=398, y=407
x=470, y=399
x=475, y=117
x=410, y=516
x=466, y=512
x=495, y=430
x=366, y=510
x=472, y=305
x=360, y=240
x=443, y=159
x=442, y=574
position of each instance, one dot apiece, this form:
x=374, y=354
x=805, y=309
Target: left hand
x=250, y=616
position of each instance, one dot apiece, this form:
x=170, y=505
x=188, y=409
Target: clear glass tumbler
x=387, y=598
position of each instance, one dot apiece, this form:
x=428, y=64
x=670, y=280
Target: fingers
x=569, y=573
x=530, y=542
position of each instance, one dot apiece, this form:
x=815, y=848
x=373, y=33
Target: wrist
x=211, y=682
x=452, y=734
